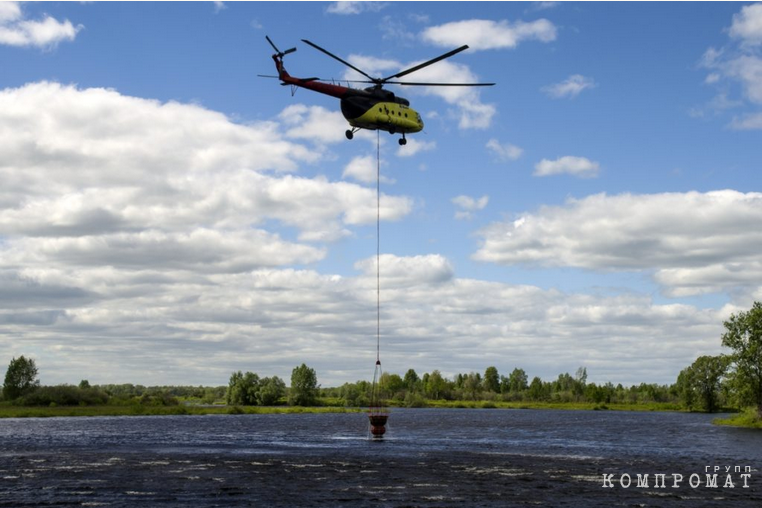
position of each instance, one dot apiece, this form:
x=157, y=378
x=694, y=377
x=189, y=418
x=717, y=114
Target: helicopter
x=371, y=108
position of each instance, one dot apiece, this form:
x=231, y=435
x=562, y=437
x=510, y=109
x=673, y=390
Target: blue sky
x=162, y=205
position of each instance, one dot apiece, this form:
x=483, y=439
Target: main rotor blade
x=406, y=83
x=374, y=80
x=426, y=64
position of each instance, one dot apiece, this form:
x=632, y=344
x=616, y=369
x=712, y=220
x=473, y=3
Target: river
x=429, y=458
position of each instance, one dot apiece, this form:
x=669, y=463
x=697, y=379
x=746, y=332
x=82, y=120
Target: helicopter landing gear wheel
x=349, y=134
x=402, y=141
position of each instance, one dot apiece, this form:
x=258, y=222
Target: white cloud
x=504, y=152
x=752, y=121
x=400, y=272
x=396, y=30
x=9, y=11
x=137, y=229
x=739, y=62
x=348, y=8
x=685, y=239
x=747, y=24
x=415, y=146
x=219, y=6
x=575, y=166
x=571, y=87
x=314, y=123
x=269, y=320
x=542, y=6
x=748, y=70
x=470, y=111
x=712, y=78
x=15, y=30
x=372, y=65
x=364, y=169
x=91, y=162
x=481, y=34
x=468, y=205
x=133, y=227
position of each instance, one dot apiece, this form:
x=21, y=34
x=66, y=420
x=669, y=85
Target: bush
x=63, y=395
x=159, y=399
x=414, y=400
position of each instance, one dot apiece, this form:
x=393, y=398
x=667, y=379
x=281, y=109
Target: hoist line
x=378, y=247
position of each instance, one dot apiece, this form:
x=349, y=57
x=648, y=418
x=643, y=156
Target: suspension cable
x=378, y=247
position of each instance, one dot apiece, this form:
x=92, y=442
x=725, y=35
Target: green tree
x=472, y=385
x=706, y=376
x=537, y=389
x=20, y=378
x=304, y=387
x=391, y=384
x=744, y=337
x=517, y=381
x=491, y=380
x=84, y=384
x=271, y=389
x=411, y=380
x=242, y=389
x=435, y=385
x=685, y=387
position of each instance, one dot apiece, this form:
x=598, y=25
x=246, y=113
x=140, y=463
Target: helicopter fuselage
x=373, y=108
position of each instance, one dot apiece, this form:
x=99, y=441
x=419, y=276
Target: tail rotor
x=278, y=52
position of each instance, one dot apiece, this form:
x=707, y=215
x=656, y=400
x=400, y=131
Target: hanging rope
x=378, y=247
x=377, y=415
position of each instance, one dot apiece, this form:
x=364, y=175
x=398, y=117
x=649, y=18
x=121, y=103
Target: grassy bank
x=748, y=419
x=141, y=410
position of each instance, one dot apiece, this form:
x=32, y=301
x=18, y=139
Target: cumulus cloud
x=688, y=240
x=470, y=111
x=17, y=30
x=468, y=205
x=134, y=229
x=739, y=62
x=270, y=320
x=481, y=34
x=569, y=88
x=364, y=168
x=752, y=121
x=504, y=152
x=575, y=166
x=313, y=123
x=91, y=162
x=542, y=6
x=401, y=272
x=747, y=24
x=415, y=146
x=348, y=8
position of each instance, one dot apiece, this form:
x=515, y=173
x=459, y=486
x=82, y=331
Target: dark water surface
x=452, y=457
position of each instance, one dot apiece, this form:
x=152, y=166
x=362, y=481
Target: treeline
x=22, y=388
x=413, y=390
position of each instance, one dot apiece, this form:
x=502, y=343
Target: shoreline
x=743, y=419
x=140, y=410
